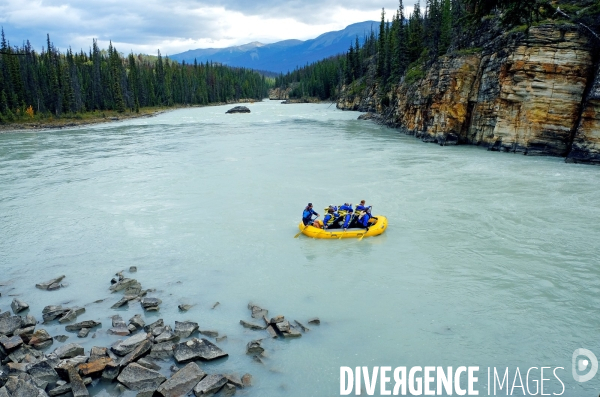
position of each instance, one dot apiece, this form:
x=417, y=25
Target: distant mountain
x=284, y=55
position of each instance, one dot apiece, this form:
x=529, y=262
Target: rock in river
x=238, y=109
x=182, y=382
x=18, y=306
x=122, y=348
x=209, y=385
x=50, y=284
x=82, y=325
x=136, y=377
x=196, y=349
x=69, y=350
x=184, y=329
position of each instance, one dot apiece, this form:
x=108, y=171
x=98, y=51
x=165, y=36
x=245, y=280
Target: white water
x=490, y=259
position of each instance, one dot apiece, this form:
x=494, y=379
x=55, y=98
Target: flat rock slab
x=162, y=350
x=8, y=325
x=69, y=350
x=151, y=327
x=50, y=283
x=136, y=377
x=182, y=382
x=253, y=326
x=77, y=385
x=150, y=302
x=44, y=372
x=10, y=343
x=185, y=329
x=254, y=347
x=39, y=336
x=197, y=349
x=84, y=324
x=122, y=348
x=94, y=366
x=137, y=353
x=209, y=385
x=238, y=109
x=138, y=322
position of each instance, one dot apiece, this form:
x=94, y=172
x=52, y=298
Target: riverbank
x=98, y=117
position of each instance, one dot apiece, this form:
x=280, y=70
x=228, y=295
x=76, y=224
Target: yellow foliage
x=29, y=111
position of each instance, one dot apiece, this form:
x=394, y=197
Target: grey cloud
x=143, y=23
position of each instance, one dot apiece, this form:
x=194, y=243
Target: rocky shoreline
x=534, y=93
x=30, y=366
x=59, y=124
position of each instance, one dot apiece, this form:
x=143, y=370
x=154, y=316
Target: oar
x=302, y=231
x=363, y=235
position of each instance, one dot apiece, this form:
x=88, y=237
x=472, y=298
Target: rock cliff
x=536, y=93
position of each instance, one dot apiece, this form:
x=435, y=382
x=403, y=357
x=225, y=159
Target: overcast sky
x=144, y=26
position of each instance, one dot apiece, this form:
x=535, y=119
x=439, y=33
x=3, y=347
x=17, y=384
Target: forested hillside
x=52, y=83
x=404, y=46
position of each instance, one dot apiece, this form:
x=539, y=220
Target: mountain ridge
x=281, y=56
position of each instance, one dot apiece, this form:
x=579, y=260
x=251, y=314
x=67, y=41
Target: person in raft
x=331, y=220
x=308, y=214
x=364, y=219
x=345, y=211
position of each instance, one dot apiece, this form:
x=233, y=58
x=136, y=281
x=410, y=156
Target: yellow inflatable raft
x=374, y=230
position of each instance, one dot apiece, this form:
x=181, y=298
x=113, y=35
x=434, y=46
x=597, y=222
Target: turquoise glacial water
x=490, y=259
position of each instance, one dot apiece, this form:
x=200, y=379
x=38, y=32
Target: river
x=490, y=259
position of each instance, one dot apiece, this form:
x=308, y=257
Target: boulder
x=77, y=385
x=98, y=352
x=182, y=382
x=28, y=321
x=162, y=350
x=315, y=321
x=185, y=329
x=253, y=326
x=228, y=390
x=271, y=331
x=44, y=373
x=8, y=325
x=137, y=353
x=197, y=349
x=11, y=343
x=83, y=333
x=247, y=380
x=254, y=347
x=150, y=303
x=61, y=338
x=95, y=366
x=122, y=348
x=52, y=312
x=156, y=324
x=25, y=333
x=18, y=306
x=50, y=283
x=257, y=311
x=69, y=351
x=81, y=325
x=137, y=321
x=70, y=315
x=283, y=326
x=111, y=371
x=184, y=307
x=136, y=377
x=238, y=109
x=235, y=380
x=167, y=336
x=209, y=385
x=211, y=333
x=148, y=363
x=277, y=319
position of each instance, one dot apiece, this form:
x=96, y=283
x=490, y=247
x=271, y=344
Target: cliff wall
x=535, y=93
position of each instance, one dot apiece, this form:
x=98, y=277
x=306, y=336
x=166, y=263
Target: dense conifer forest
x=55, y=84
x=404, y=46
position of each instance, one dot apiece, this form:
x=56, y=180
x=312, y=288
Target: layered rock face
x=520, y=93
x=586, y=144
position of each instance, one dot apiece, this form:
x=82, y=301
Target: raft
x=374, y=230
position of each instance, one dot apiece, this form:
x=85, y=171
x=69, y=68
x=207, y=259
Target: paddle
x=363, y=235
x=302, y=231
